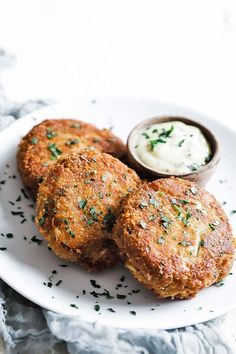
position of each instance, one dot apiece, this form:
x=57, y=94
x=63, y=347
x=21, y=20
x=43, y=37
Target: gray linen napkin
x=27, y=329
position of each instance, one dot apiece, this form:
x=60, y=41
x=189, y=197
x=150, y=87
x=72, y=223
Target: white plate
x=27, y=266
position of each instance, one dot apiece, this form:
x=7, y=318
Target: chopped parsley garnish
x=120, y=297
x=3, y=248
x=181, y=142
x=54, y=150
x=165, y=221
x=161, y=240
x=146, y=135
x=94, y=284
x=122, y=279
x=185, y=243
x=143, y=205
x=92, y=212
x=201, y=243
x=153, y=143
x=220, y=283
x=186, y=219
x=82, y=203
x=207, y=158
x=177, y=209
x=133, y=313
x=74, y=306
x=89, y=222
x=233, y=211
x=104, y=178
x=50, y=134
x=71, y=233
x=143, y=224
x=9, y=235
x=58, y=283
x=24, y=193
x=72, y=142
x=109, y=219
x=193, y=167
x=36, y=240
x=152, y=217
x=105, y=293
x=211, y=226
x=34, y=141
x=166, y=133
x=154, y=202
x=179, y=201
x=194, y=190
x=111, y=309
x=183, y=201
x=16, y=213
x=97, y=307
x=41, y=220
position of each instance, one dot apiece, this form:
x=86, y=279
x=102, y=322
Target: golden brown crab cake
x=175, y=237
x=41, y=147
x=77, y=204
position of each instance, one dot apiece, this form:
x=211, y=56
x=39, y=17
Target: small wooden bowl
x=200, y=176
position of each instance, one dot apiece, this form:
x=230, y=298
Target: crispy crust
x=174, y=237
x=77, y=204
x=35, y=156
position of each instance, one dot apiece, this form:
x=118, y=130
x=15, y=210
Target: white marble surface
x=181, y=51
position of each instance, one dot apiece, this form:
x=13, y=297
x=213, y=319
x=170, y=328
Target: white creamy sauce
x=172, y=147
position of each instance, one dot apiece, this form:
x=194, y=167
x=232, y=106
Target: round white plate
x=29, y=267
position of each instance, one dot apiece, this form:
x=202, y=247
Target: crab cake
x=41, y=147
x=77, y=204
x=174, y=237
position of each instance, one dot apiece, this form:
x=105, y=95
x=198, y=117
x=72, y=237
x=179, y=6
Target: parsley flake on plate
x=82, y=203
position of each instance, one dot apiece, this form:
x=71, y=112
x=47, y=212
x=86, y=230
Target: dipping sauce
x=172, y=147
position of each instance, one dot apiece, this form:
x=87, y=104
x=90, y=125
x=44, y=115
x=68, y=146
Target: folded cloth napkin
x=26, y=328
